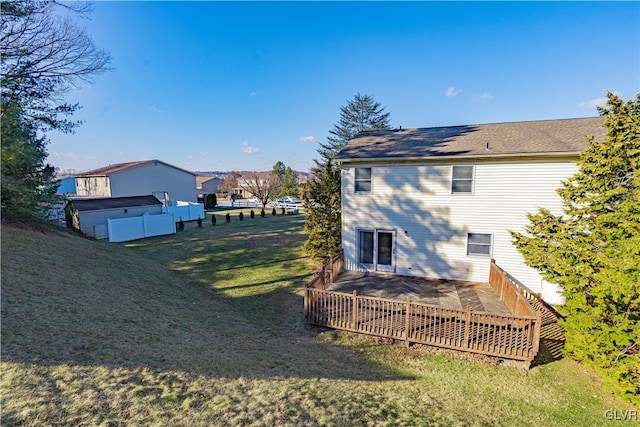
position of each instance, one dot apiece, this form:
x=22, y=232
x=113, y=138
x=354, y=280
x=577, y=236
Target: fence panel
x=134, y=228
x=185, y=211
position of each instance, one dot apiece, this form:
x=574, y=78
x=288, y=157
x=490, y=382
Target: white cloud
x=254, y=93
x=155, y=109
x=452, y=91
x=246, y=148
x=483, y=97
x=594, y=102
x=308, y=138
x=73, y=156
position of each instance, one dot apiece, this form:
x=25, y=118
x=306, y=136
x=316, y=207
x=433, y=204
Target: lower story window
x=478, y=244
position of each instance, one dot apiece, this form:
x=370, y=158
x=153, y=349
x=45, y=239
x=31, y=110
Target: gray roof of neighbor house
x=515, y=139
x=113, y=203
x=119, y=167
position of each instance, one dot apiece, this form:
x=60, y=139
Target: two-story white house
x=440, y=202
x=156, y=177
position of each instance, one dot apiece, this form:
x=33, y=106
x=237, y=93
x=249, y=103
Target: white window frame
x=375, y=266
x=490, y=245
x=473, y=179
x=356, y=180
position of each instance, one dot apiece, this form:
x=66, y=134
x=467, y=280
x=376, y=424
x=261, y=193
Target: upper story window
x=363, y=180
x=462, y=179
x=478, y=244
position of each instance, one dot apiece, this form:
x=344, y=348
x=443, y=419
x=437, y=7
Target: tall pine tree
x=323, y=221
x=593, y=251
x=360, y=114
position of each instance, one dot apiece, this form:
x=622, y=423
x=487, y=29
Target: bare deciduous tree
x=43, y=55
x=262, y=185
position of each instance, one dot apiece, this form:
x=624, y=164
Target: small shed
x=90, y=215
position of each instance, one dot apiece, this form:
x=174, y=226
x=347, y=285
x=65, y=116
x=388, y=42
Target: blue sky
x=240, y=86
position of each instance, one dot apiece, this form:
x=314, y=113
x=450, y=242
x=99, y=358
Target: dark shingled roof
x=118, y=167
x=543, y=137
x=113, y=203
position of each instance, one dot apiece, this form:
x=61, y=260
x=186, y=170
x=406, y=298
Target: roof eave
x=464, y=158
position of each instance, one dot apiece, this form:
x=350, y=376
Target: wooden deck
x=452, y=294
x=493, y=319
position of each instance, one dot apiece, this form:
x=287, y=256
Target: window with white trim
x=363, y=180
x=462, y=179
x=479, y=244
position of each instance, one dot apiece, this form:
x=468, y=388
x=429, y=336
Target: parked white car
x=286, y=201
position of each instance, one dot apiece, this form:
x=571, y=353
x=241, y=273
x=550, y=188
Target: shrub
x=253, y=215
x=211, y=201
x=273, y=211
x=227, y=217
x=241, y=216
x=592, y=251
x=213, y=220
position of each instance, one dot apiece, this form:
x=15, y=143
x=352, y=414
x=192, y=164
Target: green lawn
x=206, y=327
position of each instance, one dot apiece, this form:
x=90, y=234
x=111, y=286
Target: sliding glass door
x=376, y=250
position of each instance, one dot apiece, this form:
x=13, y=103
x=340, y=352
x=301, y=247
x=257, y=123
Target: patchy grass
x=205, y=327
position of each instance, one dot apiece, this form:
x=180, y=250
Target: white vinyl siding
x=432, y=224
x=154, y=177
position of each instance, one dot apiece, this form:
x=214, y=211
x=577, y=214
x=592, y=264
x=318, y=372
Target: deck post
x=536, y=334
x=467, y=325
x=354, y=310
x=407, y=323
x=330, y=269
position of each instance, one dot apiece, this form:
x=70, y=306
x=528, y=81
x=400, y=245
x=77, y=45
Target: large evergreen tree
x=25, y=177
x=359, y=114
x=323, y=214
x=323, y=220
x=593, y=251
x=42, y=56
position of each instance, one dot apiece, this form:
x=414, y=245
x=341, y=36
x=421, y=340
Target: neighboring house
x=206, y=185
x=90, y=215
x=440, y=202
x=138, y=178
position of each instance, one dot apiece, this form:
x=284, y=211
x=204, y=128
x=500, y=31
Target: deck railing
x=515, y=336
x=511, y=295
x=512, y=337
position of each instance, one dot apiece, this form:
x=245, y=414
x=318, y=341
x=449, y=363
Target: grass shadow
x=230, y=308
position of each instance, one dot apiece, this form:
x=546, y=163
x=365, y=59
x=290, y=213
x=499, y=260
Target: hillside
x=205, y=327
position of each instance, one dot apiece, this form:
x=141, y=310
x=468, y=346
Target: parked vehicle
x=286, y=201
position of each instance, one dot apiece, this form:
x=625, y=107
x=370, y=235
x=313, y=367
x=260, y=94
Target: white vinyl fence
x=126, y=229
x=186, y=211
